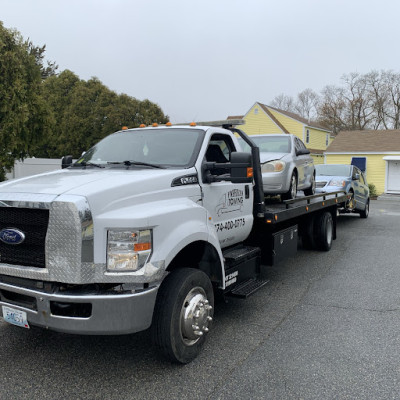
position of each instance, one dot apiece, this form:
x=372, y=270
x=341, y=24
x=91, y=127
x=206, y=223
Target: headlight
x=335, y=182
x=273, y=166
x=128, y=250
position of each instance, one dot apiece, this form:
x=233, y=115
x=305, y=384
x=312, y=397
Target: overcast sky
x=205, y=60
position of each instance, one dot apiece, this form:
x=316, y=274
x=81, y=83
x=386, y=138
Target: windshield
x=332, y=170
x=146, y=148
x=268, y=144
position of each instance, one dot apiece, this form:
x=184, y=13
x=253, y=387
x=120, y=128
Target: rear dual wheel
x=318, y=232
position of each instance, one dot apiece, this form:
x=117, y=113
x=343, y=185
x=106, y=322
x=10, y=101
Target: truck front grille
x=33, y=223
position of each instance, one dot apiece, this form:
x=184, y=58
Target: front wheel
x=183, y=314
x=292, y=192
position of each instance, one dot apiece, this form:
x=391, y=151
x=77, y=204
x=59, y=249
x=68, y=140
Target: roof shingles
x=365, y=141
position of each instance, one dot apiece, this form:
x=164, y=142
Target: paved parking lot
x=327, y=326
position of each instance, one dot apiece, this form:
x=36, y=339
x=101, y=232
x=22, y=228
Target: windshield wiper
x=87, y=164
x=128, y=163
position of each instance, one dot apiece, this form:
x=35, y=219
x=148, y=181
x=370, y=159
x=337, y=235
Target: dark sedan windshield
x=268, y=144
x=146, y=147
x=332, y=170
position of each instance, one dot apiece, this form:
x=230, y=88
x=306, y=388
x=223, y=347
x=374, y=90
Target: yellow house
x=379, y=150
x=262, y=119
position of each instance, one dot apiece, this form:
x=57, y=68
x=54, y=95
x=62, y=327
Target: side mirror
x=66, y=161
x=356, y=177
x=241, y=167
x=302, y=152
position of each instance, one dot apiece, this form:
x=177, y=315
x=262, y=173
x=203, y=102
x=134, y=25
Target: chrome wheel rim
x=195, y=316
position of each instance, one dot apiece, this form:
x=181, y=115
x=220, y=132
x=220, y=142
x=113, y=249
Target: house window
x=256, y=111
x=360, y=162
x=308, y=136
x=327, y=140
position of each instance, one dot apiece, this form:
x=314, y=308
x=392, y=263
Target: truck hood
x=101, y=187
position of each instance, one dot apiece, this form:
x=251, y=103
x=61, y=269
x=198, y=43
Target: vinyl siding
x=260, y=123
x=317, y=139
x=318, y=159
x=376, y=167
x=293, y=126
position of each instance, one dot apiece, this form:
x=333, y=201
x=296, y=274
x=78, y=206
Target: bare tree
x=307, y=104
x=391, y=82
x=361, y=101
x=379, y=97
x=332, y=108
x=284, y=102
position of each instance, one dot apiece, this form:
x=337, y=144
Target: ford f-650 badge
x=12, y=236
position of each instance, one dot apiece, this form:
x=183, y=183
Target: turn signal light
x=249, y=172
x=142, y=246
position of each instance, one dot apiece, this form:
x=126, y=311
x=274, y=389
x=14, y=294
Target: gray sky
x=205, y=60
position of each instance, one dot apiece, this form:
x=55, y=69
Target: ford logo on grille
x=12, y=236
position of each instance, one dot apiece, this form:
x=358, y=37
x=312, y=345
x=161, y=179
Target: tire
x=323, y=231
x=364, y=213
x=182, y=315
x=307, y=235
x=292, y=192
x=311, y=190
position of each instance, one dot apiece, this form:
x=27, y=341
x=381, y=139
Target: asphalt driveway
x=327, y=326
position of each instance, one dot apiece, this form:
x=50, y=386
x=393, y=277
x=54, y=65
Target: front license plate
x=15, y=317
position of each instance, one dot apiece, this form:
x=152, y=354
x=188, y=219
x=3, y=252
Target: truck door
x=229, y=205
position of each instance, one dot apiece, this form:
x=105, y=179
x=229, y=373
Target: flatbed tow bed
x=276, y=212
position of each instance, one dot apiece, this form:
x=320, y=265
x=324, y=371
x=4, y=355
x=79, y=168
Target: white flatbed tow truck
x=142, y=232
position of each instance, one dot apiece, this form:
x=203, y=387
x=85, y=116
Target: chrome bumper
x=110, y=314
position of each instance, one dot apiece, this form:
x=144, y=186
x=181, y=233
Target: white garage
x=392, y=174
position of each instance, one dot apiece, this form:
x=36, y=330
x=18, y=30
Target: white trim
x=386, y=176
x=392, y=158
x=387, y=159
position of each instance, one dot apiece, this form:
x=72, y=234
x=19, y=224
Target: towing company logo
x=230, y=201
x=12, y=236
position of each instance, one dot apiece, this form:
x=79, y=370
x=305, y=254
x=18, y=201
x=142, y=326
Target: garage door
x=393, y=183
